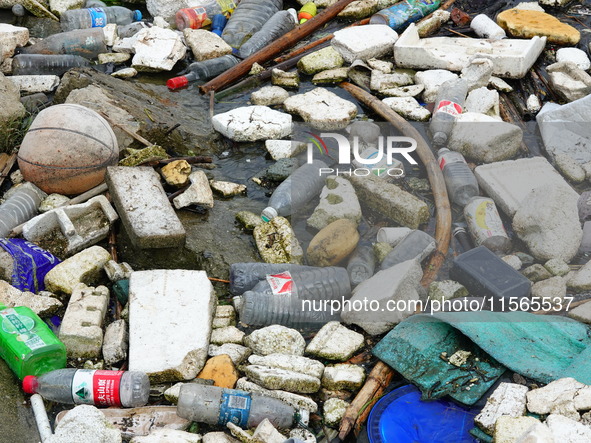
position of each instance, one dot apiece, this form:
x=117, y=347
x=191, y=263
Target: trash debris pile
x=269, y=221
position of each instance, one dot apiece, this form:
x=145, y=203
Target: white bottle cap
x=269, y=214
x=294, y=15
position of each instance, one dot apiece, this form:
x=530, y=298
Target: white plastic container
x=484, y=27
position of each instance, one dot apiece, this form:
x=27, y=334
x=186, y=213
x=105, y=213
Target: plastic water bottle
x=298, y=189
x=20, y=207
x=218, y=406
x=27, y=344
x=459, y=179
x=245, y=276
x=248, y=18
x=202, y=15
x=485, y=225
x=448, y=106
x=87, y=43
x=91, y=387
x=203, y=70
x=42, y=64
x=218, y=24
x=98, y=17
x=281, y=23
x=416, y=245
x=131, y=29
x=296, y=298
x=362, y=263
x=94, y=4
x=402, y=14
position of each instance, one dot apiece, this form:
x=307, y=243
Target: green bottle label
x=22, y=327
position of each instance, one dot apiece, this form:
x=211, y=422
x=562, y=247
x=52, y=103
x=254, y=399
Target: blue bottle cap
x=137, y=15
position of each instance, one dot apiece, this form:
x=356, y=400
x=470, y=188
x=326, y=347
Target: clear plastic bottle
x=281, y=23
x=298, y=189
x=416, y=245
x=362, y=263
x=459, y=179
x=43, y=64
x=296, y=299
x=449, y=104
x=129, y=389
x=20, y=207
x=94, y=4
x=401, y=14
x=248, y=18
x=87, y=43
x=202, y=15
x=245, y=276
x=131, y=29
x=218, y=406
x=485, y=225
x=98, y=17
x=203, y=70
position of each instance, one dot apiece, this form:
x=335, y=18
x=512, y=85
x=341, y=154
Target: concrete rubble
x=253, y=123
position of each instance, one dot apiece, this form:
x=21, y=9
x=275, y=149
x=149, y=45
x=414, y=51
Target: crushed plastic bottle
x=91, y=387
x=20, y=207
x=248, y=18
x=448, y=106
x=203, y=70
x=416, y=245
x=298, y=189
x=44, y=64
x=202, y=15
x=362, y=263
x=281, y=23
x=27, y=344
x=87, y=43
x=403, y=13
x=218, y=406
x=98, y=17
x=459, y=179
x=485, y=225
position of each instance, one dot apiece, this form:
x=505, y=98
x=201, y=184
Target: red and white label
x=281, y=284
x=456, y=159
x=449, y=107
x=100, y=388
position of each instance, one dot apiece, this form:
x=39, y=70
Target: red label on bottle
x=449, y=107
x=281, y=284
x=197, y=17
x=442, y=163
x=100, y=388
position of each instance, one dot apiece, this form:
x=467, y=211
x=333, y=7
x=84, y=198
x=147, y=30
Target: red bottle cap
x=30, y=384
x=177, y=82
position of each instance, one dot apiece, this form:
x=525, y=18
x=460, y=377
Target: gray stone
x=162, y=301
x=545, y=400
x=569, y=167
x=295, y=400
x=507, y=399
x=41, y=305
x=289, y=362
x=277, y=242
x=580, y=281
x=548, y=223
x=322, y=109
x=199, y=193
x=380, y=81
x=281, y=169
x=144, y=208
x=366, y=42
x=483, y=101
x=205, y=44
x=273, y=378
x=557, y=267
x=228, y=334
x=575, y=55
x=84, y=267
x=513, y=261
x=85, y=423
x=248, y=219
x=408, y=108
x=113, y=57
x=227, y=189
x=536, y=273
x=252, y=123
x=380, y=65
x=500, y=85
x=404, y=91
x=12, y=110
x=157, y=49
x=276, y=339
x=485, y=139
x=285, y=79
x=125, y=73
x=335, y=342
x=337, y=200
x=569, y=81
x=391, y=201
x=551, y=290
x=115, y=342
x=446, y=290
x=279, y=149
x=432, y=81
x=343, y=377
x=61, y=6
x=399, y=282
x=510, y=429
x=581, y=313
x=236, y=352
x=264, y=432
x=35, y=83
x=225, y=315
x=564, y=429
x=336, y=75
x=321, y=60
x=333, y=411
x=269, y=96
x=478, y=73
x=117, y=271
x=11, y=37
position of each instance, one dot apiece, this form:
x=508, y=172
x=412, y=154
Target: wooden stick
x=276, y=47
x=138, y=137
x=6, y=165
x=443, y=227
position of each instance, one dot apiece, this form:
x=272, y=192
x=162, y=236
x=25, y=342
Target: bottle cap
x=30, y=384
x=137, y=15
x=439, y=138
x=177, y=82
x=269, y=214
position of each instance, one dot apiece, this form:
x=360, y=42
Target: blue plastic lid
x=401, y=417
x=137, y=15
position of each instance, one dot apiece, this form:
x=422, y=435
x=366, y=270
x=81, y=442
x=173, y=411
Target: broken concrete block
x=483, y=101
x=408, y=108
x=581, y=313
x=117, y=271
x=227, y=189
x=115, y=342
x=551, y=289
x=225, y=315
x=335, y=342
x=269, y=96
x=276, y=339
x=42, y=305
x=574, y=55
x=227, y=334
x=538, y=433
x=500, y=85
x=290, y=381
x=363, y=43
x=283, y=148
x=334, y=410
x=404, y=91
x=85, y=423
x=252, y=123
x=336, y=75
x=277, y=242
x=205, y=44
x=380, y=81
x=125, y=73
x=35, y=83
x=289, y=362
x=144, y=208
x=507, y=399
x=82, y=326
x=322, y=109
x=544, y=400
x=446, y=290
x=536, y=273
x=162, y=302
x=84, y=267
x=432, y=81
x=510, y=429
x=557, y=267
x=569, y=167
x=478, y=73
x=295, y=400
x=343, y=377
x=564, y=429
x=285, y=79
x=237, y=353
x=569, y=81
x=113, y=57
x=199, y=193
x=157, y=49
x=11, y=37
x=337, y=201
x=321, y=60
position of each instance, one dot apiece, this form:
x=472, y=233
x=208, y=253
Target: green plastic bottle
x=27, y=344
